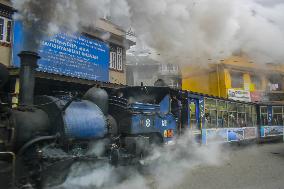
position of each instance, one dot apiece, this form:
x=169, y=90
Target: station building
x=6, y=13
x=237, y=78
x=103, y=62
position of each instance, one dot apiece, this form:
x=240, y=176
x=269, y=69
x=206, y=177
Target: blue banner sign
x=69, y=55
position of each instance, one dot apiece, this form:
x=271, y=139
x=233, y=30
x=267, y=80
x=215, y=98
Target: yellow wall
x=197, y=83
x=214, y=82
x=117, y=77
x=216, y=78
x=5, y=55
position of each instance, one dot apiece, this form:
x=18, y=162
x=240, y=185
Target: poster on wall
x=228, y=134
x=267, y=131
x=250, y=132
x=240, y=95
x=72, y=55
x=256, y=96
x=235, y=134
x=216, y=135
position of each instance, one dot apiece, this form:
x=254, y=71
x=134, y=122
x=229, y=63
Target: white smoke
x=193, y=31
x=165, y=168
x=43, y=18
x=180, y=31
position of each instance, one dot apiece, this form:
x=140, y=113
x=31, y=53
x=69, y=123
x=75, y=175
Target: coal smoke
x=193, y=31
x=179, y=31
x=42, y=18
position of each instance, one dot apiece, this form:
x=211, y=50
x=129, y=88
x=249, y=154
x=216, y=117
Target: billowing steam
x=193, y=31
x=181, y=31
x=42, y=18
x=165, y=168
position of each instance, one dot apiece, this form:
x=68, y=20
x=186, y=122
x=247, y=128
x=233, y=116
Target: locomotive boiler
x=47, y=134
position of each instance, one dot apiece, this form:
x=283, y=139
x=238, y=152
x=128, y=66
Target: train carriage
x=213, y=119
x=229, y=121
x=271, y=121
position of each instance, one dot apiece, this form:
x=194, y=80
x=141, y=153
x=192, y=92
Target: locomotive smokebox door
x=137, y=145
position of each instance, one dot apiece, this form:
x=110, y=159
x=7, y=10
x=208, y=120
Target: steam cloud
x=42, y=18
x=165, y=168
x=182, y=31
x=191, y=31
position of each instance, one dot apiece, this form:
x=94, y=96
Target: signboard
x=256, y=96
x=268, y=131
x=250, y=132
x=214, y=135
x=228, y=134
x=235, y=134
x=68, y=54
x=240, y=95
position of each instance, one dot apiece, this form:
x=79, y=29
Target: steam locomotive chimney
x=27, y=76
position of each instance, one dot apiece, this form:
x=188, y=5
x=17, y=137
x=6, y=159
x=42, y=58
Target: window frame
x=6, y=33
x=263, y=113
x=116, y=58
x=239, y=80
x=281, y=115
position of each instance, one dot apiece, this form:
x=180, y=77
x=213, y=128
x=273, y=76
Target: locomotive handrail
x=118, y=101
x=123, y=107
x=31, y=142
x=118, y=98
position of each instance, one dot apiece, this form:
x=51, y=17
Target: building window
x=116, y=58
x=263, y=115
x=237, y=80
x=275, y=83
x=256, y=80
x=277, y=118
x=210, y=113
x=5, y=30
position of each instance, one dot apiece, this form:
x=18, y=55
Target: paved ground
x=245, y=167
x=250, y=167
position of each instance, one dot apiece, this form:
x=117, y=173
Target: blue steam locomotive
x=49, y=133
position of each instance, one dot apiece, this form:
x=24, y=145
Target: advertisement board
x=67, y=54
x=240, y=95
x=250, y=132
x=214, y=135
x=268, y=131
x=228, y=134
x=256, y=96
x=235, y=134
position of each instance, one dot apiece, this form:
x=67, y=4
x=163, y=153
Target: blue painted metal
x=204, y=135
x=188, y=111
x=84, y=120
x=269, y=111
x=165, y=105
x=70, y=55
x=146, y=108
x=197, y=110
x=155, y=123
x=262, y=131
x=202, y=112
